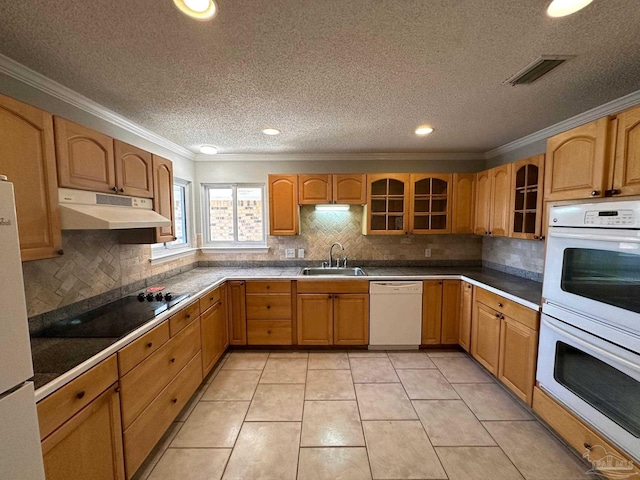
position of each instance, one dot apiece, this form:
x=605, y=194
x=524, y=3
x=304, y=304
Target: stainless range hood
x=81, y=210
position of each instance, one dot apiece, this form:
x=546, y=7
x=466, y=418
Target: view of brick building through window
x=249, y=214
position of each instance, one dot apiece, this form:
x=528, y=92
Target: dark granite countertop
x=53, y=357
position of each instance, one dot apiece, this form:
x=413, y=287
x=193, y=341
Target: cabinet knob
x=268, y=332
x=499, y=304
x=268, y=307
x=541, y=237
x=536, y=237
x=115, y=189
x=173, y=360
x=612, y=192
x=468, y=286
x=211, y=299
x=117, y=390
x=595, y=193
x=497, y=315
x=80, y=395
x=587, y=446
x=175, y=400
x=150, y=344
x=187, y=316
x=60, y=252
x=489, y=233
x=268, y=287
x=121, y=190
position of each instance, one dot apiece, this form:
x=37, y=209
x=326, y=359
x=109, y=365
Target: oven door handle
x=608, y=237
x=591, y=346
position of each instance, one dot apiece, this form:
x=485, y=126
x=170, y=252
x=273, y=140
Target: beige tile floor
x=356, y=415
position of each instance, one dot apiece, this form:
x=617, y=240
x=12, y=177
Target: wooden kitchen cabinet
x=463, y=203
x=89, y=444
x=493, y=195
x=269, y=312
x=526, y=198
x=351, y=319
x=430, y=203
x=350, y=189
x=134, y=170
x=485, y=341
x=28, y=160
x=440, y=312
x=284, y=212
x=387, y=204
x=85, y=158
x=314, y=189
x=466, y=312
x=518, y=354
x=483, y=202
x=213, y=330
x=626, y=167
x=315, y=319
x=237, y=312
x=163, y=197
x=575, y=162
x=346, y=189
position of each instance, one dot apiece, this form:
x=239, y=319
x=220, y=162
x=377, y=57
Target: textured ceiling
x=333, y=75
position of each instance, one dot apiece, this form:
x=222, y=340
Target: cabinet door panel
x=575, y=162
x=85, y=158
x=89, y=445
x=387, y=204
x=351, y=319
x=466, y=311
x=518, y=353
x=134, y=170
x=163, y=196
x=315, y=319
x=350, y=189
x=283, y=205
x=237, y=312
x=483, y=202
x=464, y=203
x=210, y=333
x=431, y=311
x=500, y=199
x=28, y=160
x=485, y=339
x=627, y=158
x=527, y=176
x=314, y=189
x=430, y=203
x=450, y=332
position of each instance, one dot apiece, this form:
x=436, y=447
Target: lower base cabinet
x=486, y=337
x=315, y=319
x=214, y=332
x=518, y=354
x=440, y=312
x=89, y=444
x=351, y=319
x=466, y=312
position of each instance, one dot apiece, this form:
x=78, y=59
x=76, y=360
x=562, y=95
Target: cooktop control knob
x=168, y=296
x=141, y=297
x=150, y=297
x=158, y=296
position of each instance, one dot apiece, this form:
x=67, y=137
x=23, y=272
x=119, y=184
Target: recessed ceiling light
x=208, y=149
x=198, y=9
x=562, y=8
x=423, y=130
x=271, y=131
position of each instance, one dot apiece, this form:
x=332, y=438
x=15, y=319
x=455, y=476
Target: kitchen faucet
x=331, y=253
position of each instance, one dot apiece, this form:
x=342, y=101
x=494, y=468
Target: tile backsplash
x=524, y=258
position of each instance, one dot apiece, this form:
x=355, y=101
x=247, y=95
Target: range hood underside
x=98, y=217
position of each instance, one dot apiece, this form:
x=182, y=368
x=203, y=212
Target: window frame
x=235, y=244
x=168, y=249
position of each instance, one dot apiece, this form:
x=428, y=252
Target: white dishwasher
x=395, y=313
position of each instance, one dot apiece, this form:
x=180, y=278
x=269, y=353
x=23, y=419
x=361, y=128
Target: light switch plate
x=427, y=252
x=301, y=253
x=290, y=253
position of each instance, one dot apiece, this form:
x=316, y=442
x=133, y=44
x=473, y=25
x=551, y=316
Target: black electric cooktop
x=115, y=319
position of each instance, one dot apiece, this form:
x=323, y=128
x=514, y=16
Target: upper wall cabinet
x=576, y=161
x=526, y=198
x=463, y=203
x=387, y=204
x=493, y=194
x=85, y=158
x=483, y=202
x=322, y=189
x=283, y=205
x=27, y=158
x=626, y=168
x=163, y=197
x=430, y=203
x=134, y=170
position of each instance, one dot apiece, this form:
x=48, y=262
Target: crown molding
x=339, y=157
x=609, y=108
x=38, y=81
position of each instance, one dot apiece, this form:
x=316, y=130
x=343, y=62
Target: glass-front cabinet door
x=526, y=198
x=430, y=203
x=387, y=205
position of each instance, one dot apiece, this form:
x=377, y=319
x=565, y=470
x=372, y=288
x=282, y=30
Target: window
x=234, y=216
x=181, y=208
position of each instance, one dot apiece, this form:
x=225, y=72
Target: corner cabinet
x=163, y=197
x=283, y=205
x=28, y=160
x=430, y=203
x=387, y=204
x=526, y=198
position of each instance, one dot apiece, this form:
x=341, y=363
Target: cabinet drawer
x=144, y=433
x=345, y=286
x=183, y=318
x=267, y=307
x=139, y=349
x=268, y=332
x=271, y=286
x=518, y=312
x=144, y=382
x=61, y=405
x=210, y=299
x=572, y=430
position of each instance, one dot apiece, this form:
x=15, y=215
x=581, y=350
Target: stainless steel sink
x=340, y=271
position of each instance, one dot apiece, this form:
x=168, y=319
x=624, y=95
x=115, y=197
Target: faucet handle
x=325, y=264
x=344, y=262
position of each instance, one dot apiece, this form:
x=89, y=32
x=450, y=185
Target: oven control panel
x=608, y=218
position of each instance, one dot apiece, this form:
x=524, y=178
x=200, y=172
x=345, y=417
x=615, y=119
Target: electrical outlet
x=427, y=252
x=290, y=253
x=301, y=253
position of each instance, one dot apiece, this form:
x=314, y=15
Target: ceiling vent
x=536, y=69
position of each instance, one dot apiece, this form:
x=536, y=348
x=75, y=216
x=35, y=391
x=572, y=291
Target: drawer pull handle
x=500, y=305
x=268, y=307
x=175, y=400
x=187, y=316
x=150, y=344
x=173, y=360
x=211, y=299
x=268, y=332
x=80, y=395
x=587, y=446
x=268, y=287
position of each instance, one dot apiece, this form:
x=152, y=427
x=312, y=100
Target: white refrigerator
x=20, y=452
